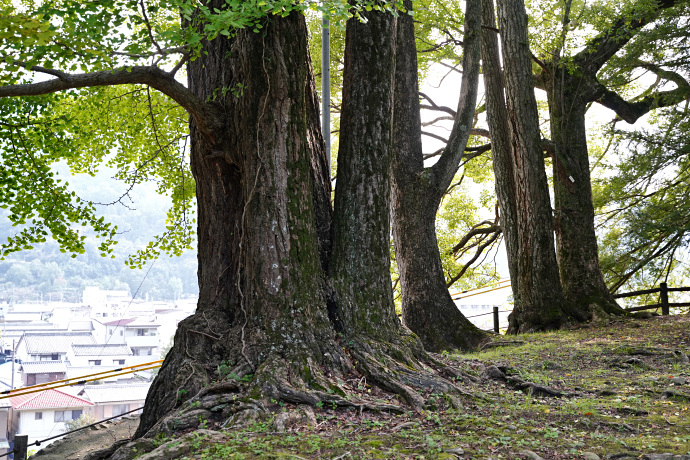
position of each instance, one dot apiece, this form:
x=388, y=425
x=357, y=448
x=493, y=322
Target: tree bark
x=497, y=118
x=541, y=305
x=262, y=197
x=576, y=242
x=427, y=307
x=364, y=314
x=361, y=234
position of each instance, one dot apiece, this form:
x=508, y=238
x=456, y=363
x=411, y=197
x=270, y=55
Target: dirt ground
x=77, y=445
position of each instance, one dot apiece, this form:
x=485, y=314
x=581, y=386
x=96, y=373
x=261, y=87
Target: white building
x=4, y=425
x=50, y=346
x=112, y=400
x=140, y=336
x=36, y=373
x=43, y=414
x=106, y=304
x=97, y=355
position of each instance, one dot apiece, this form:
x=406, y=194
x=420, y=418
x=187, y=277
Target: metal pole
x=496, y=329
x=21, y=444
x=12, y=384
x=326, y=88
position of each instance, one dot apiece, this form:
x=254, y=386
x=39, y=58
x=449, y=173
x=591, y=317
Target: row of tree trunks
x=291, y=301
x=540, y=302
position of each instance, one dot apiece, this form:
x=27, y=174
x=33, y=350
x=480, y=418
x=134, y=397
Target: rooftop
x=132, y=322
x=107, y=349
x=51, y=342
x=100, y=394
x=48, y=399
x=43, y=367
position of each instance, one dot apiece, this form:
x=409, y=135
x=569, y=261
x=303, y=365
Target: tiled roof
x=132, y=322
x=111, y=349
x=100, y=394
x=119, y=322
x=48, y=343
x=43, y=367
x=48, y=399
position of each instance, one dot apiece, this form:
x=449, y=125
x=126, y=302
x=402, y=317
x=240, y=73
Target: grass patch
x=625, y=395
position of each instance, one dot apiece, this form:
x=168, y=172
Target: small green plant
x=82, y=421
x=224, y=370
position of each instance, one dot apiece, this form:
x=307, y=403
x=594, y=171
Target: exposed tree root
x=219, y=394
x=531, y=388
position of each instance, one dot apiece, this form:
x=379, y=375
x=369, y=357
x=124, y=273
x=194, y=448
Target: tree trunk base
x=216, y=395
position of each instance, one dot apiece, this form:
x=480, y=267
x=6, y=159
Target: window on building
x=141, y=332
x=76, y=414
x=94, y=362
x=118, y=361
x=59, y=416
x=55, y=357
x=119, y=409
x=38, y=416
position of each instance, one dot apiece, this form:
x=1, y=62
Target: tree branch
x=445, y=168
x=632, y=111
x=477, y=230
x=207, y=117
x=434, y=106
x=602, y=47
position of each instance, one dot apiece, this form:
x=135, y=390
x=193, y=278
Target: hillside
x=45, y=273
x=619, y=390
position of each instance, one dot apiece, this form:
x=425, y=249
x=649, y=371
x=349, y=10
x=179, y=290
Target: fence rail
x=664, y=304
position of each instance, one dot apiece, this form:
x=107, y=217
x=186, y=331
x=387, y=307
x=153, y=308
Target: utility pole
x=326, y=88
x=12, y=384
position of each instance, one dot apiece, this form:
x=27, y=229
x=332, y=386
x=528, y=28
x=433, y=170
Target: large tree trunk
x=384, y=350
x=427, y=307
x=576, y=242
x=541, y=305
x=267, y=313
x=262, y=195
x=497, y=118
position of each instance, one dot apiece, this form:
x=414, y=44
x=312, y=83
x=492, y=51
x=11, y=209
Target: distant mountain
x=45, y=273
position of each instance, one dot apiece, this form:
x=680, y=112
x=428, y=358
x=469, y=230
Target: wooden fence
x=664, y=304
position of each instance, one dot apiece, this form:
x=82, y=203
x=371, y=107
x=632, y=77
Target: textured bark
x=427, y=307
x=385, y=351
x=576, y=242
x=268, y=311
x=497, y=118
x=361, y=260
x=262, y=308
x=541, y=305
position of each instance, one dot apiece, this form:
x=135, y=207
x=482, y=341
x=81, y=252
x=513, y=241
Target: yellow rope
x=483, y=290
x=79, y=380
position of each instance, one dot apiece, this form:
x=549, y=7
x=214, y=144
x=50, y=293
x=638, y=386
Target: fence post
x=663, y=296
x=21, y=444
x=496, y=330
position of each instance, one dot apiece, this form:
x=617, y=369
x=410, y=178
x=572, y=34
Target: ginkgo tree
x=294, y=295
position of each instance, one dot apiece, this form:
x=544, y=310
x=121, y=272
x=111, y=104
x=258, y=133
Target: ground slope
x=619, y=390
